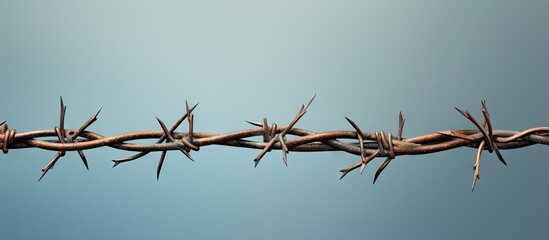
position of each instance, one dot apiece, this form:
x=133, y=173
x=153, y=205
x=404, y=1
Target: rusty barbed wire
x=368, y=145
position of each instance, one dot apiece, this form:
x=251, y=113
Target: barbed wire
x=368, y=145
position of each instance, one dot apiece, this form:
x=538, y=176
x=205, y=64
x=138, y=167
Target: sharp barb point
x=464, y=113
x=375, y=177
x=381, y=168
x=83, y=157
x=187, y=154
x=343, y=174
x=43, y=174
x=187, y=107
x=98, y=111
x=159, y=167
x=309, y=103
x=500, y=157
x=257, y=124
x=130, y=158
x=115, y=163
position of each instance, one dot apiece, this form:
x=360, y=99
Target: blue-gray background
x=241, y=60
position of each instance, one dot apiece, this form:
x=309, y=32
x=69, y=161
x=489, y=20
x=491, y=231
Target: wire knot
x=9, y=136
x=385, y=143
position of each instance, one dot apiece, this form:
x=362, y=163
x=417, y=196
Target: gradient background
x=241, y=60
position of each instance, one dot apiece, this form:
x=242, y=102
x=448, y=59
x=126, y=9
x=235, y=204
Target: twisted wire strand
x=367, y=145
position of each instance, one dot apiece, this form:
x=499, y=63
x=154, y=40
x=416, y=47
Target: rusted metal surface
x=368, y=145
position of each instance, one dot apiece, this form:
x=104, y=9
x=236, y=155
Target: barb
x=367, y=145
x=162, y=138
x=280, y=137
x=62, y=136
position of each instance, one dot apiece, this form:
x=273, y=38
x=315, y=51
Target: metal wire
x=368, y=145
